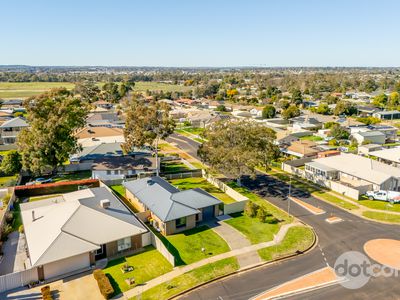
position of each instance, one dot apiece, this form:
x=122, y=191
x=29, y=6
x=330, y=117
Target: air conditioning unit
x=105, y=203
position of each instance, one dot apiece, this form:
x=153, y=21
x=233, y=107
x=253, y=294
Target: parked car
x=390, y=196
x=42, y=180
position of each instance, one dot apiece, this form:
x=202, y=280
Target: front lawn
x=381, y=216
x=313, y=138
x=146, y=266
x=190, y=279
x=297, y=239
x=200, y=182
x=381, y=205
x=256, y=231
x=190, y=243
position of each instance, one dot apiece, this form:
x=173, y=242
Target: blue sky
x=201, y=33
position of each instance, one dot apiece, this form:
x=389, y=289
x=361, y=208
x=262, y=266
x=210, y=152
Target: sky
x=207, y=33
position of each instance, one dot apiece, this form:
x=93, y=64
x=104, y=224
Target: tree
x=261, y=214
x=370, y=85
x=369, y=120
x=264, y=146
x=339, y=133
x=11, y=163
x=231, y=93
x=221, y=108
x=146, y=125
x=235, y=147
x=297, y=98
x=88, y=91
x=394, y=100
x=323, y=109
x=344, y=108
x=268, y=112
x=250, y=209
x=54, y=118
x=380, y=100
x=329, y=124
x=291, y=112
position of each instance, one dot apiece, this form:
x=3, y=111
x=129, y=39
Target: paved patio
x=14, y=254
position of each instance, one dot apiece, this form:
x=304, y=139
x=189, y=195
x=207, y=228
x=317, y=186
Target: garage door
x=208, y=213
x=68, y=265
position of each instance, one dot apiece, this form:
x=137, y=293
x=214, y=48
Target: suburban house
x=122, y=167
x=302, y=148
x=90, y=136
x=169, y=209
x=387, y=115
x=367, y=149
x=109, y=119
x=388, y=156
x=256, y=112
x=103, y=104
x=366, y=111
x=306, y=123
x=389, y=131
x=12, y=104
x=373, y=136
x=68, y=233
x=10, y=129
x=353, y=171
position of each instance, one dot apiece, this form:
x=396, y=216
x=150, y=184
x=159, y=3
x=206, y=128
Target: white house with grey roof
x=10, y=129
x=169, y=209
x=68, y=233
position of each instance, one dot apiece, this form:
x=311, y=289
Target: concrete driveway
x=14, y=254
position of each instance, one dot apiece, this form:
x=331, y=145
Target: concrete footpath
x=181, y=270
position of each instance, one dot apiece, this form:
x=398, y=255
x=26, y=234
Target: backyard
x=7, y=181
x=173, y=166
x=73, y=176
x=200, y=182
x=119, y=190
x=146, y=266
x=187, y=246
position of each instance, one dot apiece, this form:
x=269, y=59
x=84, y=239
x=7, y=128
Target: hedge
x=104, y=284
x=51, y=188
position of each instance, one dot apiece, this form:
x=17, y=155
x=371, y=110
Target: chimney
x=33, y=215
x=105, y=203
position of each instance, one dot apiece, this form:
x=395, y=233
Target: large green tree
x=146, y=124
x=88, y=91
x=54, y=117
x=11, y=163
x=268, y=112
x=237, y=147
x=291, y=112
x=344, y=107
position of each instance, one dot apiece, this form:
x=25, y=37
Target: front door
x=101, y=253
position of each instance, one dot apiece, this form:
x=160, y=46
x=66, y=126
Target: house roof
x=371, y=133
x=361, y=167
x=167, y=202
x=75, y=223
x=392, y=154
x=387, y=112
x=15, y=122
x=96, y=132
x=124, y=163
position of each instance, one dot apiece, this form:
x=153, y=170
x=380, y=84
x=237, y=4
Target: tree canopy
x=268, y=112
x=291, y=112
x=54, y=117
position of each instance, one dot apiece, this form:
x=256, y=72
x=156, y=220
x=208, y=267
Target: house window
x=108, y=172
x=181, y=222
x=124, y=244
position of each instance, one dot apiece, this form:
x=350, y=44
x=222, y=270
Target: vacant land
x=191, y=279
x=200, y=182
x=28, y=89
x=146, y=266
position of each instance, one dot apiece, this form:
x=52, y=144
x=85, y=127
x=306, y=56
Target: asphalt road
x=333, y=240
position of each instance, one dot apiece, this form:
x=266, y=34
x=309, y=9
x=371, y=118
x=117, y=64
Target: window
x=108, y=172
x=124, y=244
x=181, y=222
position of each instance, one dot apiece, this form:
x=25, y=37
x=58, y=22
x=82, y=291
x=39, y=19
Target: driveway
x=14, y=254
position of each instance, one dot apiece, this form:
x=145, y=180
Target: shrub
x=46, y=294
x=261, y=214
x=9, y=217
x=104, y=284
x=21, y=229
x=251, y=209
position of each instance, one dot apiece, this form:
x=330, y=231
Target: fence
x=159, y=245
x=7, y=209
x=18, y=279
x=188, y=174
x=77, y=167
x=230, y=208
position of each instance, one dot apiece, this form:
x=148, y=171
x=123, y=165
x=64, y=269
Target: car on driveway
x=42, y=180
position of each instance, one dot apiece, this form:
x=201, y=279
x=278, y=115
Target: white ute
x=389, y=196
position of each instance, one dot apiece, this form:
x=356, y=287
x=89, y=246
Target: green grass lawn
x=119, y=190
x=253, y=229
x=147, y=265
x=381, y=216
x=28, y=89
x=279, y=214
x=17, y=218
x=311, y=138
x=381, y=205
x=7, y=181
x=298, y=238
x=173, y=167
x=73, y=176
x=190, y=242
x=190, y=279
x=200, y=182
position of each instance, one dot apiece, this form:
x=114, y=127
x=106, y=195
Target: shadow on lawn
x=171, y=248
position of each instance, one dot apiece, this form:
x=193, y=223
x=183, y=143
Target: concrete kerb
x=256, y=266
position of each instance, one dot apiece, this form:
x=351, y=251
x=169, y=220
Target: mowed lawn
x=147, y=265
x=28, y=89
x=190, y=243
x=256, y=231
x=200, y=182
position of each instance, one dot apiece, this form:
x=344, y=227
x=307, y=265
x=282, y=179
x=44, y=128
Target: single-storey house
x=90, y=136
x=387, y=115
x=305, y=122
x=169, y=209
x=354, y=170
x=302, y=148
x=68, y=233
x=373, y=136
x=367, y=149
x=121, y=167
x=388, y=156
